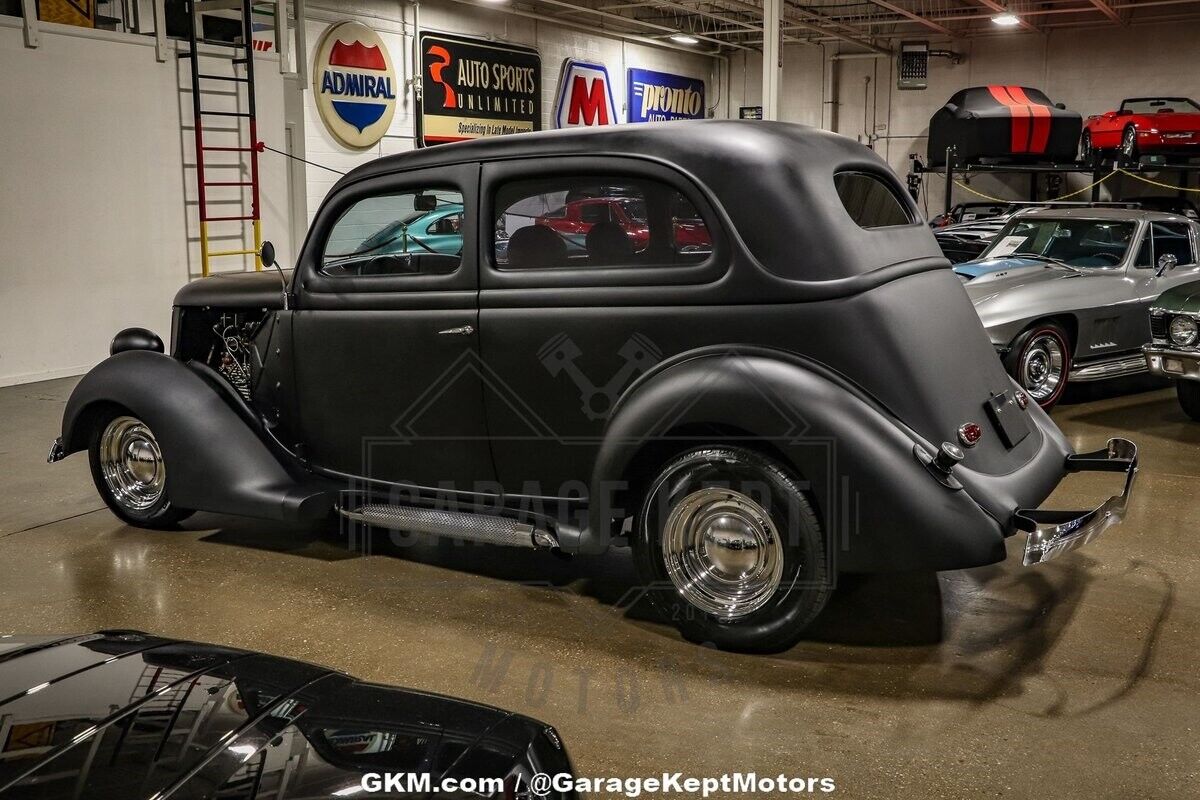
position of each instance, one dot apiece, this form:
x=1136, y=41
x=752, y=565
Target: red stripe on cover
x=1040, y=136
x=1020, y=117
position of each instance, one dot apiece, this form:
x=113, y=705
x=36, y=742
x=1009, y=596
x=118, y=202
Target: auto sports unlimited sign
x=354, y=84
x=472, y=89
x=659, y=96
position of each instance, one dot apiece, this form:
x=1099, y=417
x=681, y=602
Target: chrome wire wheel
x=131, y=464
x=1129, y=143
x=1042, y=366
x=722, y=552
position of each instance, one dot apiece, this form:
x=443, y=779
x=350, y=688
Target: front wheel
x=1129, y=145
x=730, y=551
x=1188, y=393
x=1040, y=361
x=130, y=473
x=1086, y=154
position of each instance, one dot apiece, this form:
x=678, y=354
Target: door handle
x=464, y=330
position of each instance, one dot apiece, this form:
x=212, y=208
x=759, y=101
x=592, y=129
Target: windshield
x=1075, y=242
x=1155, y=105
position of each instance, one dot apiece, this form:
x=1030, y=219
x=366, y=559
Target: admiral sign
x=659, y=96
x=354, y=84
x=584, y=96
x=472, y=89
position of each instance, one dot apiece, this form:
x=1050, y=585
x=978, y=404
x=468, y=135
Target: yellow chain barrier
x=1060, y=197
x=1154, y=183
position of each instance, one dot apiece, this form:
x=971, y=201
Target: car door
x=386, y=352
x=1177, y=238
x=568, y=322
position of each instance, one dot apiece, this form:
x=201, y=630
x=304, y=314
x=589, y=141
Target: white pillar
x=771, y=73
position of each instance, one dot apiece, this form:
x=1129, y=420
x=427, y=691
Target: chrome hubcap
x=723, y=552
x=1042, y=367
x=1130, y=139
x=132, y=464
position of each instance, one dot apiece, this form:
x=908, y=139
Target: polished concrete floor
x=1080, y=678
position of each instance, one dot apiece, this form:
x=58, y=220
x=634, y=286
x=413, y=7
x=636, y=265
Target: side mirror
x=1166, y=263
x=1061, y=106
x=267, y=254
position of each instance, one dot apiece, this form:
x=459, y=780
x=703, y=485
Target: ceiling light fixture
x=1006, y=20
x=683, y=38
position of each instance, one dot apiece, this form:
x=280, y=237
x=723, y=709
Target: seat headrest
x=536, y=247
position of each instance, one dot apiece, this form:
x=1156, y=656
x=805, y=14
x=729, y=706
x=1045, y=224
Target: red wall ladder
x=199, y=114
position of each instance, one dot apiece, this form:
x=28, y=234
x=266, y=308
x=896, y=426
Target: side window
x=596, y=221
x=1173, y=238
x=407, y=233
x=869, y=201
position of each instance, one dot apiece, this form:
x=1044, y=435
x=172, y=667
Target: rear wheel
x=1188, y=393
x=731, y=552
x=1040, y=361
x=130, y=473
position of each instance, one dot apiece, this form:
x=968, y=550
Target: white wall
x=1090, y=70
x=95, y=233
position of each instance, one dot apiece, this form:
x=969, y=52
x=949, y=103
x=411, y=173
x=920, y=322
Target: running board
x=482, y=528
x=1103, y=370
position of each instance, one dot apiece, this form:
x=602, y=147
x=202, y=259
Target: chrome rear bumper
x=1053, y=533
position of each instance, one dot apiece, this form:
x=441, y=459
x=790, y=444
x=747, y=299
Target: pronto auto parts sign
x=585, y=96
x=354, y=84
x=472, y=89
x=658, y=96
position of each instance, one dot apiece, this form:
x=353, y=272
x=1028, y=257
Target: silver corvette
x=1064, y=293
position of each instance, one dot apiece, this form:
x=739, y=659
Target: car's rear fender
x=879, y=506
x=216, y=460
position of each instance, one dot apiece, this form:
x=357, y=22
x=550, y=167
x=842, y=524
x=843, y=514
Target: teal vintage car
x=1174, y=351
x=436, y=231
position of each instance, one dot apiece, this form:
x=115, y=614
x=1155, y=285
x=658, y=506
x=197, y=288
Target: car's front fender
x=879, y=506
x=215, y=459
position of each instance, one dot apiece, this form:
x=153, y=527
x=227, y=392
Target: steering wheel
x=1112, y=258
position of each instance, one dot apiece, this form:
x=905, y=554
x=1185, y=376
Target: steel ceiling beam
x=1105, y=9
x=926, y=21
x=792, y=19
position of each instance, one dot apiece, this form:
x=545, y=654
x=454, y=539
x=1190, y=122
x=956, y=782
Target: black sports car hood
x=121, y=714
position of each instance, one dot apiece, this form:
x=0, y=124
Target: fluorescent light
x=683, y=38
x=1006, y=20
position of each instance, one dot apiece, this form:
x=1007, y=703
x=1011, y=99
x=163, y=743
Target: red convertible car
x=576, y=219
x=1141, y=125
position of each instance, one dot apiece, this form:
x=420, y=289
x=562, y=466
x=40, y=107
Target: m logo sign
x=584, y=96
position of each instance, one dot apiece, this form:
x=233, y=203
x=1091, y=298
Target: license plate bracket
x=1009, y=419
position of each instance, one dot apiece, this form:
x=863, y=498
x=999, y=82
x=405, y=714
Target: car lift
x=1098, y=170
x=243, y=54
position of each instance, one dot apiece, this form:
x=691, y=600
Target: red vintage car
x=577, y=217
x=1142, y=125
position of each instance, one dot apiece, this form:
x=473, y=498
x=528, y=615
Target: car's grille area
x=1158, y=327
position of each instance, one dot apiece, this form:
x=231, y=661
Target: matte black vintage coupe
x=808, y=392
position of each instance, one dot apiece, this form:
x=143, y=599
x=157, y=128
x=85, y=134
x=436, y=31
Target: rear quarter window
x=870, y=201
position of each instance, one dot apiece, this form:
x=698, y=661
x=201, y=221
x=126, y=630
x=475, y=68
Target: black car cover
x=1005, y=124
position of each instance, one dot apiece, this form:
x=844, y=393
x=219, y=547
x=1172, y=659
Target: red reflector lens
x=1022, y=400
x=969, y=434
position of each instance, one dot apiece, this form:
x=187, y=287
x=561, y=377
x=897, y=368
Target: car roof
x=742, y=167
x=1115, y=214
